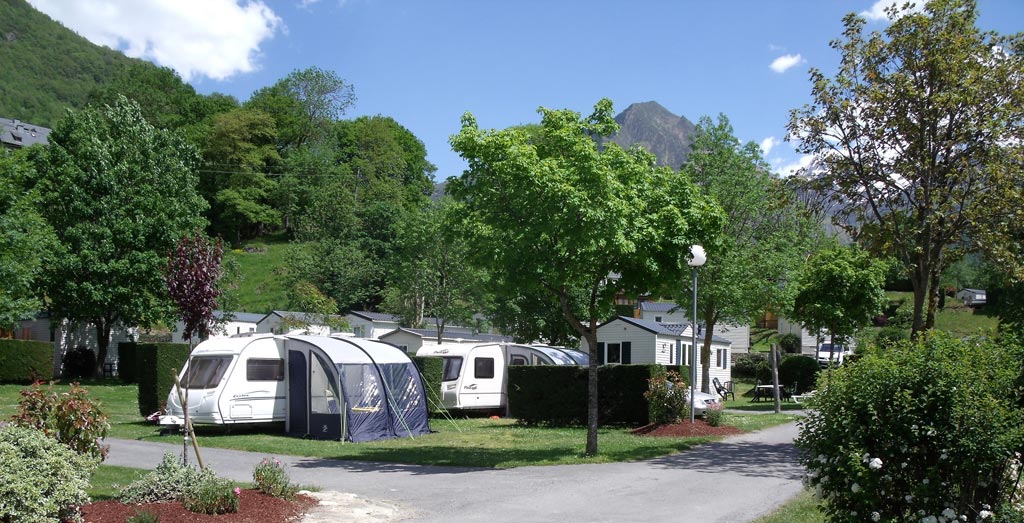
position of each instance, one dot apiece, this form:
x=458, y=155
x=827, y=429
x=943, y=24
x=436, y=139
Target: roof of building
x=375, y=316
x=248, y=317
x=659, y=306
x=304, y=316
x=668, y=329
x=17, y=134
x=432, y=333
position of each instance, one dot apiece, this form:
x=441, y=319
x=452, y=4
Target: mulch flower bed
x=253, y=507
x=686, y=429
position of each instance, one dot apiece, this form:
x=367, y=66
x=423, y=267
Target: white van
x=475, y=377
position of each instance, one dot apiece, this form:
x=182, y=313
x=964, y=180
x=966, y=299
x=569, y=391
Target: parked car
x=701, y=401
x=827, y=356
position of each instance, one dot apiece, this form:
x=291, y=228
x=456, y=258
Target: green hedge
x=557, y=395
x=127, y=361
x=155, y=366
x=431, y=369
x=23, y=361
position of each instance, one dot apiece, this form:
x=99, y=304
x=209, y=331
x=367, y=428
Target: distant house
x=280, y=322
x=411, y=340
x=670, y=312
x=373, y=325
x=66, y=335
x=238, y=323
x=628, y=340
x=15, y=134
x=972, y=297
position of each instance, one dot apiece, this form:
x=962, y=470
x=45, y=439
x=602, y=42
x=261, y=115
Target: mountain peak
x=667, y=136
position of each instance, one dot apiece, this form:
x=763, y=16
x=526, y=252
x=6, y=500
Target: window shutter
x=627, y=349
x=600, y=353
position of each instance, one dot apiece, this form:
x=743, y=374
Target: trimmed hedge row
x=23, y=361
x=557, y=395
x=128, y=361
x=155, y=366
x=431, y=369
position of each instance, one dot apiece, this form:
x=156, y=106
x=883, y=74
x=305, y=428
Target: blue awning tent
x=353, y=389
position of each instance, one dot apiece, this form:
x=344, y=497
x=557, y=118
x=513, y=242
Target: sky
x=426, y=63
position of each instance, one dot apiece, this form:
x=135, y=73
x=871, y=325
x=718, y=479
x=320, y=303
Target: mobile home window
x=205, y=372
x=264, y=369
x=483, y=368
x=723, y=358
x=451, y=370
x=614, y=353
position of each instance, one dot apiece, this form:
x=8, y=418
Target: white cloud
x=790, y=169
x=785, y=62
x=212, y=38
x=877, y=11
x=768, y=144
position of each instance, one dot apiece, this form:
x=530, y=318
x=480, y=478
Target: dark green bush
x=431, y=369
x=25, y=361
x=557, y=395
x=127, y=361
x=802, y=370
x=745, y=366
x=79, y=363
x=789, y=343
x=157, y=364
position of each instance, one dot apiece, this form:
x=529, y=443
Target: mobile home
x=475, y=377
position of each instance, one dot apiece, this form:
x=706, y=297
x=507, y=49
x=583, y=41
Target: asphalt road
x=731, y=481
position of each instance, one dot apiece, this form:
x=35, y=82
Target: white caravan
x=476, y=376
x=235, y=380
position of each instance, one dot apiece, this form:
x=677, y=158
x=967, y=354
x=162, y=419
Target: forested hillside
x=46, y=67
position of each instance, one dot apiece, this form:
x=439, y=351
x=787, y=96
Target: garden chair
x=787, y=393
x=724, y=390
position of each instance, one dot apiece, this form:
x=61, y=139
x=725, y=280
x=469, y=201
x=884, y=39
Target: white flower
x=984, y=514
x=944, y=456
x=949, y=513
x=875, y=516
x=924, y=481
x=855, y=488
x=822, y=458
x=875, y=464
x=929, y=519
x=907, y=498
x=865, y=457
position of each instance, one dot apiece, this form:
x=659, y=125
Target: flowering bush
x=41, y=480
x=666, y=396
x=71, y=417
x=270, y=477
x=922, y=432
x=169, y=482
x=212, y=495
x=714, y=414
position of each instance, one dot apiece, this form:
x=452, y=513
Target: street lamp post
x=697, y=258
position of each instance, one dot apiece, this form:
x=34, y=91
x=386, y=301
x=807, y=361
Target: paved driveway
x=735, y=480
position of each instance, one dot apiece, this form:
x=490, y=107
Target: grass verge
x=803, y=508
x=494, y=443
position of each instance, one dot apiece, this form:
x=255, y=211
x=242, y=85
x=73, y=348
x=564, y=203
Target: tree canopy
x=918, y=137
x=549, y=212
x=118, y=193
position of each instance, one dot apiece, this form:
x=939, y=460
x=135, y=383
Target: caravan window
x=518, y=359
x=264, y=370
x=483, y=368
x=452, y=369
x=205, y=372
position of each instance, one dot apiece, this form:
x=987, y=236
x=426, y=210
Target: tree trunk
x=920, y=285
x=705, y=357
x=591, y=336
x=102, y=341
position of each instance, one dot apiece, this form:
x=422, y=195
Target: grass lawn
x=463, y=442
x=744, y=395
x=956, y=318
x=107, y=478
x=260, y=288
x=801, y=509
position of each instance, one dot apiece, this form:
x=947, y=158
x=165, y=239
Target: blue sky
x=426, y=63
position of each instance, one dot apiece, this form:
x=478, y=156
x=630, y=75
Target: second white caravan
x=475, y=377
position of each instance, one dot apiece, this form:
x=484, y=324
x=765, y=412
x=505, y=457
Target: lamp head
x=697, y=256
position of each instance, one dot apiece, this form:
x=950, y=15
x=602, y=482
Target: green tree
x=118, y=193
x=548, y=211
x=238, y=152
x=764, y=240
x=434, y=277
x=304, y=104
x=919, y=135
x=25, y=238
x=840, y=290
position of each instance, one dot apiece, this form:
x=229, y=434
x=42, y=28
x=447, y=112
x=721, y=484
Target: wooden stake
x=188, y=423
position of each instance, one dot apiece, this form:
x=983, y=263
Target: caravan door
x=482, y=384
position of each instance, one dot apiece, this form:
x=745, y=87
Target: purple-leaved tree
x=193, y=268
